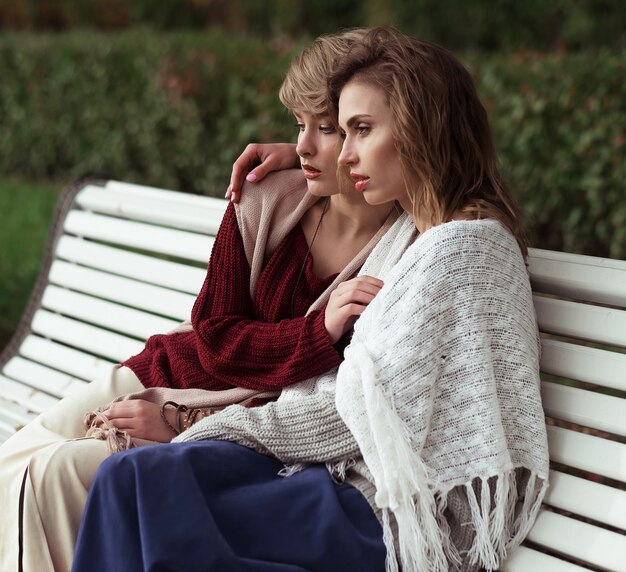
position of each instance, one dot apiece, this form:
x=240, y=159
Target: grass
x=26, y=211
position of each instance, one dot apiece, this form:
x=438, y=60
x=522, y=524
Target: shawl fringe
x=290, y=470
x=497, y=530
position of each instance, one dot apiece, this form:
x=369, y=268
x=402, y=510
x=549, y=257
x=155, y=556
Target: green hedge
x=171, y=111
x=175, y=110
x=560, y=128
x=459, y=24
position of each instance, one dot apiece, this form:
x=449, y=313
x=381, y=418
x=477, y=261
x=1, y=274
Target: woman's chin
x=320, y=189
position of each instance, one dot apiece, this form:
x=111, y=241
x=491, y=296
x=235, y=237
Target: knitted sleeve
x=228, y=346
x=234, y=346
x=302, y=430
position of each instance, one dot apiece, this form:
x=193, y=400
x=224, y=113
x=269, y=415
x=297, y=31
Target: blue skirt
x=217, y=506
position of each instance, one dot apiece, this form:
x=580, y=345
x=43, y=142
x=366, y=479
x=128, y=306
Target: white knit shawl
x=440, y=391
x=440, y=388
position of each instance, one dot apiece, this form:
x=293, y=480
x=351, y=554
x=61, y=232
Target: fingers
x=347, y=302
x=354, y=296
x=256, y=174
x=363, y=280
x=257, y=160
x=358, y=286
x=127, y=409
x=250, y=157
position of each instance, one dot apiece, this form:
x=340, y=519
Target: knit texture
x=233, y=340
x=244, y=306
x=437, y=401
x=458, y=397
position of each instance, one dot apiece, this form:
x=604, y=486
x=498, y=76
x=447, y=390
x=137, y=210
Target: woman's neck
x=351, y=215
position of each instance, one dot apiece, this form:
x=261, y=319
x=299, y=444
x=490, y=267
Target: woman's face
x=318, y=148
x=368, y=148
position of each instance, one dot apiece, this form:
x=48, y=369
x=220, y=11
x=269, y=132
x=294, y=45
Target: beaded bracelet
x=190, y=417
x=180, y=412
x=163, y=416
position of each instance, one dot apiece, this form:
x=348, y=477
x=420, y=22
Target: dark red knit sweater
x=242, y=342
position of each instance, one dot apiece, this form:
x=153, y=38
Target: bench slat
x=600, y=280
x=168, y=303
x=587, y=498
x=40, y=377
x=524, y=559
x=587, y=452
x=35, y=400
x=171, y=275
x=589, y=543
x=76, y=363
x=86, y=337
x=166, y=241
x=595, y=323
x=103, y=313
x=170, y=196
x=6, y=430
x=584, y=407
x=13, y=415
x=592, y=365
x=197, y=215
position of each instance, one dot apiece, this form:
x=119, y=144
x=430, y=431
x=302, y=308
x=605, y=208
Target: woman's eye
x=342, y=134
x=300, y=126
x=362, y=129
x=327, y=129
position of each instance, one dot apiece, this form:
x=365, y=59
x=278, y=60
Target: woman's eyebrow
x=356, y=118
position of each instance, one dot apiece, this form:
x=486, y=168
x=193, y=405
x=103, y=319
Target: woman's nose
x=346, y=156
x=305, y=146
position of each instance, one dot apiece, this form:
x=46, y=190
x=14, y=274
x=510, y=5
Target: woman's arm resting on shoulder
x=257, y=160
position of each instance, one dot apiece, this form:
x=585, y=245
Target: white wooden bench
x=126, y=261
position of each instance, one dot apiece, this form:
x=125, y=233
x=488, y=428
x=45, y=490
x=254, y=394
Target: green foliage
x=458, y=24
x=560, y=127
x=175, y=110
x=171, y=111
x=26, y=214
x=510, y=24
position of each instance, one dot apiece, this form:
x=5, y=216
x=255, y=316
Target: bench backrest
x=123, y=262
x=581, y=308
x=126, y=261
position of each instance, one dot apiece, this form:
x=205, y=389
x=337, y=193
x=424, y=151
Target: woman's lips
x=360, y=181
x=310, y=172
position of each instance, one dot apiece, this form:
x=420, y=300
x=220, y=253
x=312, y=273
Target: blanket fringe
x=536, y=489
x=497, y=531
x=116, y=439
x=290, y=470
x=338, y=470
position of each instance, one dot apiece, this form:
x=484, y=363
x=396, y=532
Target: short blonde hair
x=305, y=84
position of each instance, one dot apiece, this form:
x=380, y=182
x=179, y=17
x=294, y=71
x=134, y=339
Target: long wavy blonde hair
x=440, y=127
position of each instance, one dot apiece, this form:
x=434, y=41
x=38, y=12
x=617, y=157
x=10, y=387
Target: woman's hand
x=347, y=302
x=141, y=419
x=257, y=160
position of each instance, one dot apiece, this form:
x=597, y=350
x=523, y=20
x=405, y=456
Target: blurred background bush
x=168, y=92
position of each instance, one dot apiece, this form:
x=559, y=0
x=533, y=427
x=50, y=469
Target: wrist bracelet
x=180, y=411
x=190, y=417
x=164, y=417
